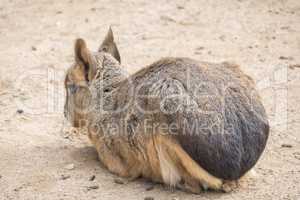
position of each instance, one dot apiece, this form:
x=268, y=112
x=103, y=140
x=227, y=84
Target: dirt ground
x=40, y=159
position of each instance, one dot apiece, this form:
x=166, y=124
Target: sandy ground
x=38, y=160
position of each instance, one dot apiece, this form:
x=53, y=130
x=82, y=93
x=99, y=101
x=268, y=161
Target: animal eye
x=105, y=49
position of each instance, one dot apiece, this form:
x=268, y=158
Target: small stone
x=149, y=198
x=70, y=166
x=119, y=181
x=262, y=60
x=86, y=20
x=149, y=187
x=286, y=146
x=180, y=7
x=65, y=177
x=59, y=12
x=297, y=155
x=3, y=16
x=93, y=187
x=93, y=9
x=20, y=111
x=167, y=18
x=66, y=136
x=286, y=58
x=33, y=48
x=18, y=188
x=222, y=38
x=92, y=178
x=284, y=27
x=199, y=48
x=285, y=42
x=294, y=66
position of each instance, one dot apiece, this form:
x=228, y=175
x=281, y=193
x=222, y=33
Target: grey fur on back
x=214, y=109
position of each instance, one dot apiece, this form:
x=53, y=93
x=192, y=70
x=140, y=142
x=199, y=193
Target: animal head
x=81, y=73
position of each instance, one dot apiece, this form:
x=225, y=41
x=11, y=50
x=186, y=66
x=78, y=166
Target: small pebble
x=222, y=38
x=92, y=178
x=149, y=198
x=93, y=187
x=33, y=48
x=18, y=189
x=149, y=187
x=262, y=60
x=286, y=146
x=286, y=58
x=199, y=48
x=297, y=155
x=66, y=136
x=294, y=66
x=65, y=177
x=167, y=18
x=20, y=111
x=70, y=166
x=284, y=27
x=119, y=181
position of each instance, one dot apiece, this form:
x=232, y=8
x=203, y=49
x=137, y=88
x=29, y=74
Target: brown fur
x=194, y=161
x=127, y=163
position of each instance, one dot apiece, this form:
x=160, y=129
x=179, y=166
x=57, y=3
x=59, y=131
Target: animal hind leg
x=190, y=170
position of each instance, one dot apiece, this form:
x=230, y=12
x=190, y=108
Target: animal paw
x=229, y=186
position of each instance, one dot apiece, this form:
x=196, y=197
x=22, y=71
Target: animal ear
x=84, y=58
x=108, y=45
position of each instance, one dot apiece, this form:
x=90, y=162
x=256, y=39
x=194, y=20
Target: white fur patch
x=168, y=170
x=252, y=174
